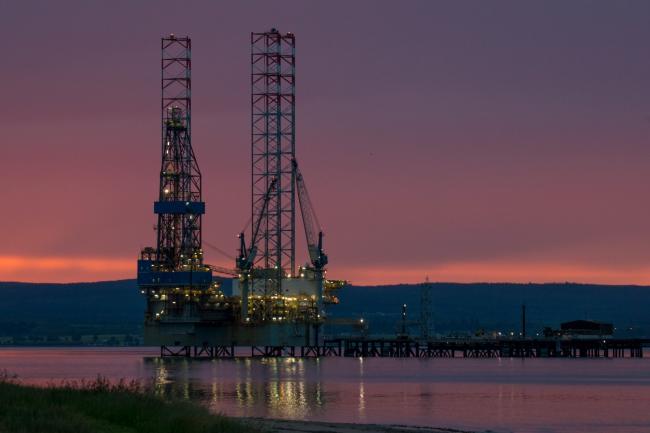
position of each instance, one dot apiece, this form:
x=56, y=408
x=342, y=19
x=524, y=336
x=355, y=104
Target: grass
x=102, y=407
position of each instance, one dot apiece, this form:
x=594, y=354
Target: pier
x=410, y=348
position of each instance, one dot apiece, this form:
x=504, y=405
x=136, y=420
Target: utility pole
x=523, y=320
x=425, y=310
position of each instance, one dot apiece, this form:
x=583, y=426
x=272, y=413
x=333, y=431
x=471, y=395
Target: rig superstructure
x=173, y=275
x=268, y=277
x=273, y=303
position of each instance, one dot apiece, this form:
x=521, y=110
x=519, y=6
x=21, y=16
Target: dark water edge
x=504, y=395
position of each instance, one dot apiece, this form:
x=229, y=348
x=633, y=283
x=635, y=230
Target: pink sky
x=463, y=141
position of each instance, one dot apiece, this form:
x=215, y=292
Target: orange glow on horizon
x=499, y=272
x=78, y=269
x=65, y=269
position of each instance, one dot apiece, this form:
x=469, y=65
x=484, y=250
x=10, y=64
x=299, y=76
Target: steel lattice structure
x=179, y=206
x=426, y=315
x=273, y=149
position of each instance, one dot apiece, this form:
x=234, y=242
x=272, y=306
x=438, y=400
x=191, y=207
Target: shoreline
x=82, y=406
x=271, y=425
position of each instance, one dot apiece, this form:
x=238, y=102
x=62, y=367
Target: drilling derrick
x=173, y=276
x=273, y=64
x=179, y=206
x=273, y=294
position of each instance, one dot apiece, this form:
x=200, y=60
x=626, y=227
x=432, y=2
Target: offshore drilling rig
x=273, y=303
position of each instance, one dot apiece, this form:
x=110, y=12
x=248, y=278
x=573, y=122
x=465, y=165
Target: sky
x=456, y=140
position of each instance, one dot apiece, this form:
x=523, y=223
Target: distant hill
x=39, y=313
x=116, y=307
x=468, y=307
x=103, y=302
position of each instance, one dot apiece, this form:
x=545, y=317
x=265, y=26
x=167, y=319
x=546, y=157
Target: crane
x=247, y=255
x=246, y=258
x=313, y=230
x=313, y=233
x=222, y=270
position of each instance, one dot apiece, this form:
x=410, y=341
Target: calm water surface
x=504, y=395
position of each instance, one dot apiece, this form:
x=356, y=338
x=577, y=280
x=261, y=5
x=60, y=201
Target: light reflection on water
x=362, y=393
x=533, y=395
x=283, y=390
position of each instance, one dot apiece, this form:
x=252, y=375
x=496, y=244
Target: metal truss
x=273, y=150
x=179, y=206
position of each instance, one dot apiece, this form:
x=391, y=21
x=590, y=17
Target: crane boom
x=313, y=231
x=247, y=255
x=222, y=270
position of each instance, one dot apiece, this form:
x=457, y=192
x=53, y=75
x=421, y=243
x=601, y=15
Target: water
x=504, y=395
